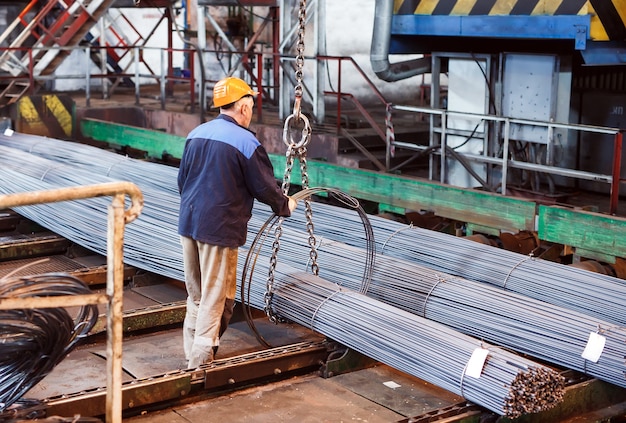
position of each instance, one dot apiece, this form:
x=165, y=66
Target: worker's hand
x=292, y=204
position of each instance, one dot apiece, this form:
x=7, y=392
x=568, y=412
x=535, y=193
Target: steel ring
x=306, y=131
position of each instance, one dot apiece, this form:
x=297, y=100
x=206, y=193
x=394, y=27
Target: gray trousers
x=211, y=282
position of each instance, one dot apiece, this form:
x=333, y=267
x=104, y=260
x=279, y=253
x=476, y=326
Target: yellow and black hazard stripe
x=49, y=115
x=609, y=21
x=493, y=7
x=608, y=17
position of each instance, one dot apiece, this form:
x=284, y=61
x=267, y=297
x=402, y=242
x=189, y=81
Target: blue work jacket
x=223, y=169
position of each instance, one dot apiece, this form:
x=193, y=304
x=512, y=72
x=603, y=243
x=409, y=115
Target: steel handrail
x=613, y=178
x=118, y=217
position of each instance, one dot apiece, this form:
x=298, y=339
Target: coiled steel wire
x=33, y=342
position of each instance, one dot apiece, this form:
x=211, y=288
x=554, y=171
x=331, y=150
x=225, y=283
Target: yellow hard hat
x=229, y=90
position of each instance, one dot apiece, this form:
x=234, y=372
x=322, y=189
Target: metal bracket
x=580, y=37
x=348, y=360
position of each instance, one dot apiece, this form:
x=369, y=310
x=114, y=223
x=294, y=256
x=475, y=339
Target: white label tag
x=476, y=362
x=8, y=132
x=594, y=348
x=391, y=384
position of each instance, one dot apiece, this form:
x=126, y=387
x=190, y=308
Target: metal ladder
x=44, y=41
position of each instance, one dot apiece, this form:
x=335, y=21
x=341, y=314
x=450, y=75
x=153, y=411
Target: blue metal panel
x=568, y=27
x=605, y=53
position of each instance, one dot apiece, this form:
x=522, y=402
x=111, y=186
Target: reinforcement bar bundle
x=596, y=295
x=153, y=246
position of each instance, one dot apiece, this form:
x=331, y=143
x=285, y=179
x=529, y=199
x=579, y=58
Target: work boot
x=197, y=359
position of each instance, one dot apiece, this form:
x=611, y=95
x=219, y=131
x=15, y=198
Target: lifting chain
x=295, y=148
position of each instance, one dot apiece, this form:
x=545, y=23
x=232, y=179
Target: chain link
x=299, y=57
x=308, y=213
x=294, y=149
x=288, y=168
x=269, y=283
x=269, y=288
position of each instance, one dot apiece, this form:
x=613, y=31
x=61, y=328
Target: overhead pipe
x=379, y=53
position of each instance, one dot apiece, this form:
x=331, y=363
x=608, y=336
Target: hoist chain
x=308, y=213
x=294, y=149
x=269, y=284
x=298, y=91
x=269, y=292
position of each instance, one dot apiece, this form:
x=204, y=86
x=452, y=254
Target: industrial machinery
x=519, y=148
x=534, y=62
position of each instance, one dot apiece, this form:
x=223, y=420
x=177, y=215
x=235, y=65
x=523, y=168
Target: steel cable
x=34, y=341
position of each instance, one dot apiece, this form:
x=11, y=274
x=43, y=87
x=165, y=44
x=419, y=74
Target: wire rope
x=34, y=341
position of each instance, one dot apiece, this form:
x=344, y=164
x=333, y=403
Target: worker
x=222, y=170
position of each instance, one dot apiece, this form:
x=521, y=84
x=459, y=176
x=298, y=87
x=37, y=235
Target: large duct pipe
x=379, y=53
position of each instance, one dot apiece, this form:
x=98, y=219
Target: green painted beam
x=156, y=144
x=587, y=231
x=465, y=205
x=401, y=192
x=472, y=228
x=590, y=232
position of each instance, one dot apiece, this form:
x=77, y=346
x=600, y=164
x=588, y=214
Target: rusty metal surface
x=80, y=371
x=163, y=293
x=146, y=318
x=592, y=266
x=522, y=242
x=153, y=355
x=31, y=245
x=462, y=412
x=619, y=267
x=177, y=384
x=135, y=394
x=267, y=364
x=8, y=220
x=395, y=390
x=344, y=360
x=35, y=266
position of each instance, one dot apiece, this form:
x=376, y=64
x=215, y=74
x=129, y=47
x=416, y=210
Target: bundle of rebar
x=596, y=295
x=555, y=334
x=508, y=384
x=151, y=243
x=504, y=386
